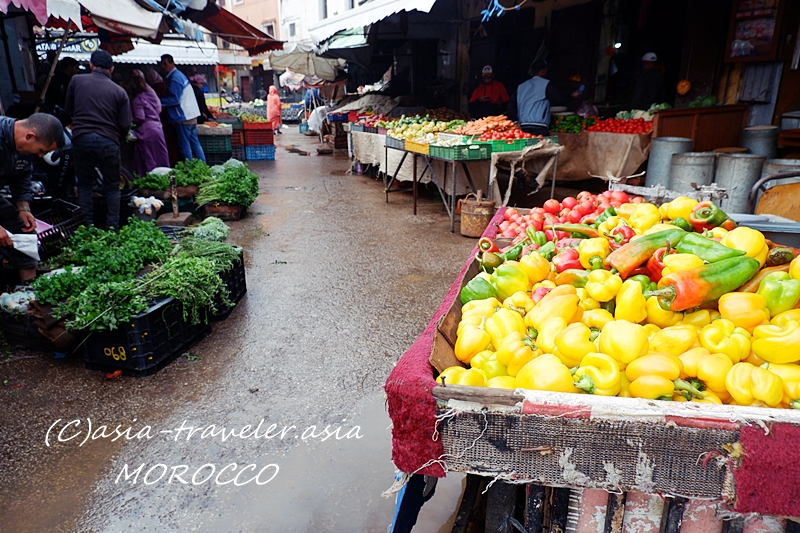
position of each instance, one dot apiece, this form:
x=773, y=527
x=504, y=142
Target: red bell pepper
x=620, y=236
x=626, y=258
x=655, y=265
x=485, y=244
x=539, y=293
x=566, y=259
x=706, y=215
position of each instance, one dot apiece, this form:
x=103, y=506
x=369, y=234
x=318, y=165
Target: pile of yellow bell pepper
x=606, y=332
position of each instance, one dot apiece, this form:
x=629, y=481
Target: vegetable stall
x=605, y=346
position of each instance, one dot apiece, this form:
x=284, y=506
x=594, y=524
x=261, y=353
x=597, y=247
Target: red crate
x=237, y=138
x=257, y=125
x=259, y=137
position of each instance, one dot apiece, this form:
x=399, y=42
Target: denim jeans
x=188, y=142
x=94, y=152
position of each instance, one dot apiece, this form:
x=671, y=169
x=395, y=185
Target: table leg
x=391, y=180
x=553, y=185
x=453, y=203
x=469, y=177
x=414, y=184
x=435, y=181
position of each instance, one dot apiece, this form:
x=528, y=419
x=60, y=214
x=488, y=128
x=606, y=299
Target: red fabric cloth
x=496, y=92
x=412, y=407
x=768, y=480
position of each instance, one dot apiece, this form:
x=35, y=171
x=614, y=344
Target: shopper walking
x=274, y=109
x=182, y=107
x=36, y=135
x=101, y=118
x=156, y=82
x=150, y=150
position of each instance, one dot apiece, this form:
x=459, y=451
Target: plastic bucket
x=660, y=160
x=761, y=140
x=476, y=213
x=738, y=173
x=691, y=167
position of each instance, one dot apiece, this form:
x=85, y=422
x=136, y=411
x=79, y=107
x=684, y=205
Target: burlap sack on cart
x=596, y=153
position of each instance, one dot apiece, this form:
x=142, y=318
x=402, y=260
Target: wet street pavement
x=340, y=284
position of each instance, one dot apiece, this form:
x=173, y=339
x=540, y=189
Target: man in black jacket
x=56, y=95
x=101, y=118
x=35, y=136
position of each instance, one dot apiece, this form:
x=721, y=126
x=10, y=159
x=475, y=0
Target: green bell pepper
x=645, y=281
x=781, y=292
x=536, y=237
x=609, y=212
x=514, y=253
x=509, y=279
x=708, y=250
x=477, y=289
x=682, y=223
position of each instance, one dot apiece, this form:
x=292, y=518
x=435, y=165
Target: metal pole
x=53, y=66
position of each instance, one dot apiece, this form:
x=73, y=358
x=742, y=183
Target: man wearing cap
x=649, y=88
x=530, y=104
x=489, y=97
x=181, y=105
x=101, y=117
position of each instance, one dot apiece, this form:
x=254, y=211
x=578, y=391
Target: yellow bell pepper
x=722, y=336
x=472, y=320
x=656, y=364
x=516, y=351
x=658, y=227
x=651, y=330
x=674, y=340
x=631, y=304
x=535, y=266
x=625, y=211
x=681, y=207
x=546, y=283
x=624, y=386
x=502, y=324
x=599, y=374
x=753, y=359
x=690, y=359
x=748, y=384
x=708, y=397
x=700, y=319
x=481, y=358
x=564, y=304
x=502, y=382
x=794, y=268
x=644, y=217
x=624, y=341
x=680, y=262
x=450, y=375
x=651, y=387
x=547, y=373
x=546, y=340
x=609, y=224
x=778, y=344
x=573, y=343
x=718, y=233
x=470, y=341
x=587, y=302
x=597, y=318
x=472, y=377
x=663, y=210
x=790, y=374
x=519, y=301
x=712, y=369
x=745, y=309
x=782, y=319
x=660, y=317
x=482, y=308
x=751, y=242
x=602, y=285
x=593, y=252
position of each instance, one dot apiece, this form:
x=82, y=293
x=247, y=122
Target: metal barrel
x=738, y=173
x=777, y=166
x=691, y=167
x=761, y=140
x=660, y=159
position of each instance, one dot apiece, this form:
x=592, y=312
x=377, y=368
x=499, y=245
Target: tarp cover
x=364, y=15
x=125, y=17
x=231, y=28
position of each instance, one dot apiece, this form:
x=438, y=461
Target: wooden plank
x=673, y=515
x=615, y=515
x=482, y=395
x=534, y=507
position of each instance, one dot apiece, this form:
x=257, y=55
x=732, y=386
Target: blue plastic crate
x=304, y=127
x=260, y=153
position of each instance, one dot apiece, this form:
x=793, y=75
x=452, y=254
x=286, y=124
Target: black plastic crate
x=236, y=283
x=19, y=330
x=100, y=208
x=173, y=233
x=218, y=158
x=146, y=344
x=64, y=218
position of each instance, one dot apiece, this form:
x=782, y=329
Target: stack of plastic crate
x=259, y=141
x=216, y=143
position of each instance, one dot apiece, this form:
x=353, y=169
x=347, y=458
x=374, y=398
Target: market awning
x=37, y=7
x=364, y=15
x=125, y=17
x=231, y=28
x=303, y=59
x=65, y=10
x=185, y=52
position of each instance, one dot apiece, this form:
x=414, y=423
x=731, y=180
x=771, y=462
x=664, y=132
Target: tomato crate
x=259, y=137
x=239, y=152
x=224, y=211
x=64, y=218
x=462, y=152
x=235, y=282
x=237, y=138
x=145, y=344
x=536, y=140
x=218, y=158
x=19, y=330
x=394, y=142
x=260, y=153
x=508, y=146
x=419, y=148
x=215, y=144
x=256, y=126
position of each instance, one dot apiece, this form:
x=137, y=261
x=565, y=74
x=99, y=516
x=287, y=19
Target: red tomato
x=619, y=196
x=603, y=206
x=637, y=200
x=511, y=211
x=508, y=234
x=552, y=206
x=574, y=217
x=584, y=208
x=585, y=195
x=537, y=216
x=513, y=226
x=537, y=224
x=569, y=202
x=504, y=225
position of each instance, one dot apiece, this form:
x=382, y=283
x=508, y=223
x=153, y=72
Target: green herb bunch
x=153, y=181
x=236, y=186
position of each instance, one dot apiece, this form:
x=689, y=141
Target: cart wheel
x=125, y=178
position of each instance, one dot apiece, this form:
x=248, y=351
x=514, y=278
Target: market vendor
x=489, y=98
x=530, y=103
x=649, y=88
x=34, y=136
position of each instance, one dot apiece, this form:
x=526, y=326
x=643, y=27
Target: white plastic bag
x=27, y=243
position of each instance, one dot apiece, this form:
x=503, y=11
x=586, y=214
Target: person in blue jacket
x=182, y=108
x=531, y=102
